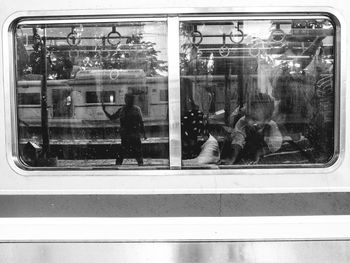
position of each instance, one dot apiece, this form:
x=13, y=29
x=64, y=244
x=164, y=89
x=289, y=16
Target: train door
x=62, y=103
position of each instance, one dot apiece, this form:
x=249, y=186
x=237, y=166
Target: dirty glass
x=257, y=92
x=92, y=94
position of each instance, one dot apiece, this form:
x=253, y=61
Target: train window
x=92, y=82
x=30, y=98
x=244, y=92
x=257, y=92
x=163, y=95
x=100, y=97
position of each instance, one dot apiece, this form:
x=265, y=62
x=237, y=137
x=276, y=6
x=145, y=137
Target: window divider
x=174, y=93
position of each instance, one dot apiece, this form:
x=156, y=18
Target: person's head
x=260, y=108
x=129, y=99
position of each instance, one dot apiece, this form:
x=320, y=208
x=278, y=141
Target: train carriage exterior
x=195, y=74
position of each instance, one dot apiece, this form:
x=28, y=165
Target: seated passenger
x=194, y=126
x=255, y=134
x=209, y=154
x=191, y=127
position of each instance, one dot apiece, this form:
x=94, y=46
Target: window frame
x=173, y=19
x=337, y=76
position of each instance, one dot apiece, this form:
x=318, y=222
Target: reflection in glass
x=257, y=92
x=174, y=252
x=72, y=77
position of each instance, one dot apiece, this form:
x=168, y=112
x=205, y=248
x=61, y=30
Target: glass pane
x=178, y=252
x=92, y=94
x=257, y=92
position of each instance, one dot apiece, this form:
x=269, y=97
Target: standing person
x=131, y=128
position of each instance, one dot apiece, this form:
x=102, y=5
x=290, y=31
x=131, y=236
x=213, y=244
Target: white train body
x=160, y=96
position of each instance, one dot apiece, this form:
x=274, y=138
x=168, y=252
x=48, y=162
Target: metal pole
x=44, y=112
x=227, y=93
x=240, y=81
